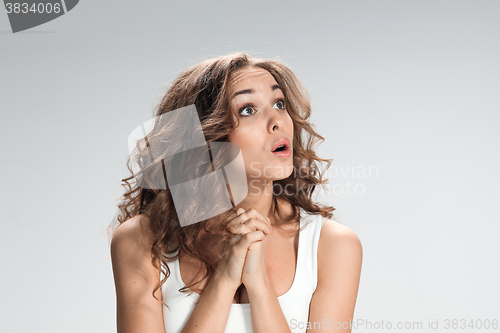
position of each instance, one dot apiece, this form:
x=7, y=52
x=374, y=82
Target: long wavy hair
x=206, y=85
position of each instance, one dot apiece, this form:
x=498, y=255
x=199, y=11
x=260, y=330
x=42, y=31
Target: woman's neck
x=260, y=197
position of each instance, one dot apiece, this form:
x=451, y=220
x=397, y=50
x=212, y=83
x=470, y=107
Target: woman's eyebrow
x=251, y=91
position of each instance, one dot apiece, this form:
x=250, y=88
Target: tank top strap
x=173, y=266
x=307, y=258
x=174, y=283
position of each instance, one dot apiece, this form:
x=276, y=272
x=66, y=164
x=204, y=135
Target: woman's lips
x=282, y=142
x=285, y=153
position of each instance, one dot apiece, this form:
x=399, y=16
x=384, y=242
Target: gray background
x=410, y=88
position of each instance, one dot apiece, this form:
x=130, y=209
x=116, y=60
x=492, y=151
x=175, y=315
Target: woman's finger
x=240, y=229
x=248, y=239
x=245, y=216
x=248, y=226
x=252, y=212
x=255, y=224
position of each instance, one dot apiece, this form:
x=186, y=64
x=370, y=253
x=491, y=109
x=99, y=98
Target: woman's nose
x=275, y=121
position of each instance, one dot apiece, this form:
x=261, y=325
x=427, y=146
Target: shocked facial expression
x=265, y=131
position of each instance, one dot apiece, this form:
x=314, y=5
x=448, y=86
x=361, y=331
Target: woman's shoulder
x=138, y=306
x=338, y=241
x=333, y=230
x=340, y=258
x=134, y=233
x=131, y=254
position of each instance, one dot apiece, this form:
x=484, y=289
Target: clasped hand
x=245, y=262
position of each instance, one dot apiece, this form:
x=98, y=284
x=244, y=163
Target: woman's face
x=264, y=123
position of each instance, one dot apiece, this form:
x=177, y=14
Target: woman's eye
x=247, y=108
x=279, y=104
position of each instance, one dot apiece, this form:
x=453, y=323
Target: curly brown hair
x=206, y=85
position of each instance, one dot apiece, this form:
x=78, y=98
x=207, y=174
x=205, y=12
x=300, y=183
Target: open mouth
x=280, y=148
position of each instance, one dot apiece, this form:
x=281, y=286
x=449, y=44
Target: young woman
x=273, y=263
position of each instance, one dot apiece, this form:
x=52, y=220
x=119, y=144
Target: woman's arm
x=212, y=310
x=266, y=312
x=339, y=267
x=135, y=279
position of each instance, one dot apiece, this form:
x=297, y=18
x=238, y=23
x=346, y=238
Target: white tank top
x=294, y=303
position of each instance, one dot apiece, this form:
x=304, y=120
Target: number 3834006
x=25, y=8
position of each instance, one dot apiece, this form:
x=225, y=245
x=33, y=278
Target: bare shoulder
x=131, y=245
x=139, y=307
x=336, y=232
x=339, y=271
x=134, y=231
x=339, y=248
